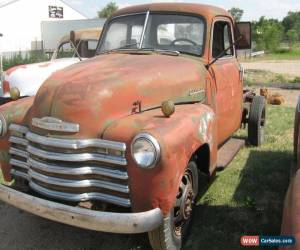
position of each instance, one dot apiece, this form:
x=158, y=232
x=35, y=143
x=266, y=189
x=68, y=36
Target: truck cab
x=116, y=143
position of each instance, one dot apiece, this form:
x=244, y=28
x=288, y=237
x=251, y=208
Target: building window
x=56, y=12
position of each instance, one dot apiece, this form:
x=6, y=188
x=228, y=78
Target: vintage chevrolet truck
x=116, y=143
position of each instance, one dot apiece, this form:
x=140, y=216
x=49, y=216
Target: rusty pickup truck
x=116, y=143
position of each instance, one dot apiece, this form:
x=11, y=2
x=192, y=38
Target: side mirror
x=243, y=35
x=72, y=37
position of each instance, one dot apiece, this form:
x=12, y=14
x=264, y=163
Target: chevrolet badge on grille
x=54, y=124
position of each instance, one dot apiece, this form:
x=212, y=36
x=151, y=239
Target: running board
x=228, y=151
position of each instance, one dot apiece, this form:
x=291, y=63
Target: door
x=225, y=73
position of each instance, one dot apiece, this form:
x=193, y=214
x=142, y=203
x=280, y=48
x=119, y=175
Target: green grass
x=282, y=55
x=247, y=197
x=27, y=58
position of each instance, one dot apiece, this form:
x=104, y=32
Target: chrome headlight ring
x=145, y=151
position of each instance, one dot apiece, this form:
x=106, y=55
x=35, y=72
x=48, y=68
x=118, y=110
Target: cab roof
x=207, y=11
x=83, y=34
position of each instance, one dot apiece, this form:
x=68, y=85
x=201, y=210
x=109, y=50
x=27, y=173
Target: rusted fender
x=179, y=137
x=13, y=112
x=291, y=214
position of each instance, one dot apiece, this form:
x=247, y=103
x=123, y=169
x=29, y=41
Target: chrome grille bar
x=86, y=170
x=18, y=128
x=75, y=144
x=51, y=165
x=78, y=183
x=17, y=140
x=18, y=152
x=20, y=164
x=20, y=174
x=80, y=197
x=76, y=157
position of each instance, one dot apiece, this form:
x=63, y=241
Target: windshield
x=178, y=32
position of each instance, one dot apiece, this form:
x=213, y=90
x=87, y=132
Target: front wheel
x=173, y=231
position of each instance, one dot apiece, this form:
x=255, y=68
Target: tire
x=168, y=236
x=256, y=121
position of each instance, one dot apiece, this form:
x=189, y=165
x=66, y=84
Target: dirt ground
x=291, y=67
x=20, y=230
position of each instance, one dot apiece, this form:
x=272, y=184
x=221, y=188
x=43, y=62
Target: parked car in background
x=291, y=212
x=26, y=79
x=116, y=143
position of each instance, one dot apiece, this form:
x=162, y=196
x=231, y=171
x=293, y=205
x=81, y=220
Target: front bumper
x=128, y=223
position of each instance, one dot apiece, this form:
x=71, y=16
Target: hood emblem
x=196, y=92
x=54, y=124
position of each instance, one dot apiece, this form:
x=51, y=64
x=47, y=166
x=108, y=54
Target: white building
x=20, y=21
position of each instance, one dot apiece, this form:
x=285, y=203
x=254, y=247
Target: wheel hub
x=184, y=203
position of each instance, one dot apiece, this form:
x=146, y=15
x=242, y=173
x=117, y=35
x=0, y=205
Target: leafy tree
x=108, y=10
x=291, y=20
x=236, y=13
x=293, y=37
x=268, y=34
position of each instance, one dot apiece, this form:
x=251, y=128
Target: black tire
x=256, y=121
x=165, y=237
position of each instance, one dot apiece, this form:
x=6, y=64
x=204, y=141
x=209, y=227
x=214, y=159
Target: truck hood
x=28, y=78
x=98, y=91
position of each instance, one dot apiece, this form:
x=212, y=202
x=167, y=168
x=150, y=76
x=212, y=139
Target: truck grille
x=70, y=170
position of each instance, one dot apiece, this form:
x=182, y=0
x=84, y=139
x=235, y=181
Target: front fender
x=12, y=112
x=179, y=137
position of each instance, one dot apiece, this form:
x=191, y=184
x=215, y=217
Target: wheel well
x=202, y=158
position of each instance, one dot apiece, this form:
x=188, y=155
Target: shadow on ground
x=258, y=211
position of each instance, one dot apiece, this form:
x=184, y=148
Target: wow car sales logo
x=267, y=241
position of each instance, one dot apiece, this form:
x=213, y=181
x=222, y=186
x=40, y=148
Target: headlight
x=145, y=150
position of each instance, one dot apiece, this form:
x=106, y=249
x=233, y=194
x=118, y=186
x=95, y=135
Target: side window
x=87, y=48
x=222, y=39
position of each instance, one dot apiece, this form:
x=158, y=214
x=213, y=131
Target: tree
x=108, y=10
x=292, y=22
x=236, y=13
x=292, y=36
x=268, y=34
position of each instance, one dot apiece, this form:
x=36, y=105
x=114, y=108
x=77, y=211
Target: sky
x=254, y=9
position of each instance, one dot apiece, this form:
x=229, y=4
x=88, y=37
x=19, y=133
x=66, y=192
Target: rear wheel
x=256, y=121
x=173, y=231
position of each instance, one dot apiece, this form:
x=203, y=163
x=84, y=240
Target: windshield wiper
x=163, y=51
x=126, y=46
x=160, y=51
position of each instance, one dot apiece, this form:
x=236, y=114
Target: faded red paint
x=11, y=70
x=45, y=65
x=99, y=94
x=6, y=87
x=291, y=213
x=13, y=112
